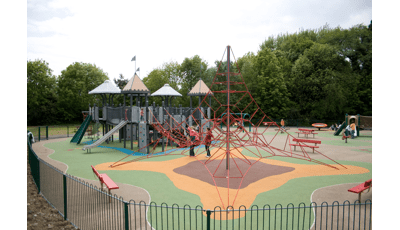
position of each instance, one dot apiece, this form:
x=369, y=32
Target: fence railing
x=88, y=207
x=59, y=131
x=55, y=131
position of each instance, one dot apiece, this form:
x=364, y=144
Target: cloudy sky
x=110, y=33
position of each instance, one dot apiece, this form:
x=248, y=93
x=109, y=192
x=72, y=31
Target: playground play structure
x=168, y=125
x=142, y=123
x=362, y=122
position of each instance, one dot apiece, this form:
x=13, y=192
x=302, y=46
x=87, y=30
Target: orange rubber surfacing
x=214, y=194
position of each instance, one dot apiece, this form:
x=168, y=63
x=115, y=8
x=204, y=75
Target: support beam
x=228, y=114
x=131, y=124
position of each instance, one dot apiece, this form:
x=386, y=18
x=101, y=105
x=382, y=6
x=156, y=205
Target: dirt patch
x=238, y=170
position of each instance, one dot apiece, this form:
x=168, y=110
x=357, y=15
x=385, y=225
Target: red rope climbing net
x=230, y=142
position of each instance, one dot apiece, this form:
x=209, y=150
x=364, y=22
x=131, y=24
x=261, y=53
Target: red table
x=269, y=123
x=319, y=125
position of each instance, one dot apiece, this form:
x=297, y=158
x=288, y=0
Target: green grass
x=57, y=130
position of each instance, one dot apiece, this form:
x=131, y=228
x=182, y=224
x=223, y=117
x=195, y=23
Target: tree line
x=311, y=74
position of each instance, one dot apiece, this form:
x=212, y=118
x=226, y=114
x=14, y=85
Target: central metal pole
x=229, y=112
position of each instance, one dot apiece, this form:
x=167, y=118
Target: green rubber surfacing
x=162, y=189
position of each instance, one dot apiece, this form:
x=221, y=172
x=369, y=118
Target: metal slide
x=106, y=136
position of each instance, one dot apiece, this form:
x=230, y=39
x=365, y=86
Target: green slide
x=340, y=129
x=81, y=131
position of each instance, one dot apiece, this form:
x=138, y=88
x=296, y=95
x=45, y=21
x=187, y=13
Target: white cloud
x=109, y=34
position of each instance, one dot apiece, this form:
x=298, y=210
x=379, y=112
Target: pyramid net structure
x=240, y=131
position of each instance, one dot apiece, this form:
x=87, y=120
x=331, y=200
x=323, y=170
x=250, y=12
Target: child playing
x=194, y=139
x=352, y=129
x=208, y=138
x=282, y=125
x=141, y=114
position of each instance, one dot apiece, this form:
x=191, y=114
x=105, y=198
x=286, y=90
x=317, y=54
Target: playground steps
x=106, y=136
x=81, y=131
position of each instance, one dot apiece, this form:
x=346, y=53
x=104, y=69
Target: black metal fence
x=300, y=122
x=59, y=131
x=88, y=207
x=55, y=131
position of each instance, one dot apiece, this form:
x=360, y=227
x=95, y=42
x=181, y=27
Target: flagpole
x=134, y=59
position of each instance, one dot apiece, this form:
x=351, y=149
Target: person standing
x=141, y=114
x=208, y=139
x=192, y=134
x=353, y=129
x=30, y=136
x=282, y=125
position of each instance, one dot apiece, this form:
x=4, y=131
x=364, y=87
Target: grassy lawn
x=57, y=130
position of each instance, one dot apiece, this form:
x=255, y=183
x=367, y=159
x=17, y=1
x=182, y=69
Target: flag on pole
x=138, y=69
x=134, y=58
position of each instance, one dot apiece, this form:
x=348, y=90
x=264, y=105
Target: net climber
x=233, y=150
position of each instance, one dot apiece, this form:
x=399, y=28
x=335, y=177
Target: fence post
x=39, y=133
x=358, y=125
x=208, y=219
x=35, y=164
x=65, y=195
x=47, y=132
x=126, y=215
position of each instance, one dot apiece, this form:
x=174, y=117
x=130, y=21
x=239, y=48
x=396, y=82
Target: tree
x=271, y=93
x=120, y=83
x=41, y=95
x=246, y=65
x=74, y=84
x=355, y=45
x=168, y=73
x=322, y=83
x=328, y=71
x=191, y=70
x=154, y=81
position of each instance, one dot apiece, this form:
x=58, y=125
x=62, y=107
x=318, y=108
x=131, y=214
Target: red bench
x=105, y=179
x=301, y=141
x=361, y=188
x=269, y=123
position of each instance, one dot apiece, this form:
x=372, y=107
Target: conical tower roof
x=135, y=85
x=200, y=89
x=106, y=88
x=166, y=90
